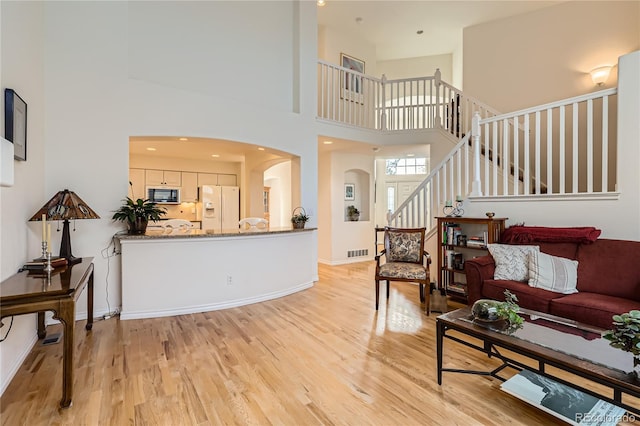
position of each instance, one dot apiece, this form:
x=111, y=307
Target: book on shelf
x=565, y=402
x=456, y=287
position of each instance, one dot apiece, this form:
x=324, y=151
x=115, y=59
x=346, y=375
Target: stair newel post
x=437, y=81
x=383, y=103
x=476, y=190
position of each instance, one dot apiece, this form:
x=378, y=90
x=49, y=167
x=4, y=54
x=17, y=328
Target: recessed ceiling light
x=215, y=155
x=419, y=32
x=411, y=155
x=327, y=142
x=321, y=2
x=260, y=148
x=358, y=20
x=184, y=139
x=151, y=149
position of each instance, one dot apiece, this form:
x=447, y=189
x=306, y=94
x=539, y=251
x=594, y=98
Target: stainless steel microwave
x=163, y=194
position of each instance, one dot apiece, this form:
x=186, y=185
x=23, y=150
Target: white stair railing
x=560, y=148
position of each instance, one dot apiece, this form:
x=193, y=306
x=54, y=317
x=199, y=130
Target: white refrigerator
x=220, y=207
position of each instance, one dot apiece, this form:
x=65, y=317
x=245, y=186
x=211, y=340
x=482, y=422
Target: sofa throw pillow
x=512, y=262
x=557, y=274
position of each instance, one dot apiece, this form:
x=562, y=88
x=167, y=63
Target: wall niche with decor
x=356, y=196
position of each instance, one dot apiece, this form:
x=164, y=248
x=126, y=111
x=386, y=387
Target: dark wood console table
x=29, y=292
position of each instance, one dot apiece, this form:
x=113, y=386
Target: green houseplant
x=299, y=217
x=353, y=214
x=137, y=214
x=626, y=336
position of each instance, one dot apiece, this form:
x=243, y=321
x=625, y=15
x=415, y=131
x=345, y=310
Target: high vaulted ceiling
x=392, y=25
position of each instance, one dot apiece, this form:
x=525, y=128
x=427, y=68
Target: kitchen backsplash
x=185, y=211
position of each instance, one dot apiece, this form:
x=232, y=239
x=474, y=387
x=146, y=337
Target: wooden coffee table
x=550, y=341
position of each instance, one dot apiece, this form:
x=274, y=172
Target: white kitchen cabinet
x=189, y=187
x=163, y=177
x=137, y=187
x=207, y=179
x=227, y=180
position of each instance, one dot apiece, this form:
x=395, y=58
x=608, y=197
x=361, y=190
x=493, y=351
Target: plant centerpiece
x=488, y=310
x=299, y=217
x=626, y=336
x=137, y=214
x=353, y=214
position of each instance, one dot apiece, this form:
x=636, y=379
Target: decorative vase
x=485, y=310
x=138, y=226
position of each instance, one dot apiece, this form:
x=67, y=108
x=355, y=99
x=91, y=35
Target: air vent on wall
x=357, y=253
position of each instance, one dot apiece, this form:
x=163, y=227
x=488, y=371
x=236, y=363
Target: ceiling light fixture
x=184, y=139
x=327, y=142
x=600, y=75
x=215, y=155
x=260, y=148
x=411, y=155
x=419, y=32
x=321, y=3
x=151, y=149
x=359, y=20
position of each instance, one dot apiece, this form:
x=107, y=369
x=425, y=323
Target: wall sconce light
x=600, y=75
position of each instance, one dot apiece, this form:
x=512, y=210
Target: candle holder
x=451, y=210
x=48, y=268
x=44, y=252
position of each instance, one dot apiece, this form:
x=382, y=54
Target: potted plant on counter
x=137, y=214
x=298, y=218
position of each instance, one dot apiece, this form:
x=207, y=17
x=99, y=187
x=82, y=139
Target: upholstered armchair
x=405, y=260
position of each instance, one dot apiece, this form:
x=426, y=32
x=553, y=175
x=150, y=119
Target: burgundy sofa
x=608, y=280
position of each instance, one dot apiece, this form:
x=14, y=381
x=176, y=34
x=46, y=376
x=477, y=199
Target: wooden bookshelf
x=462, y=238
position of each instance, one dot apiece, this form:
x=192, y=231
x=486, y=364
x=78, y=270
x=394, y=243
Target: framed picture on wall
x=352, y=82
x=15, y=123
x=349, y=191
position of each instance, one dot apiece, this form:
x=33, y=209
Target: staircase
x=556, y=150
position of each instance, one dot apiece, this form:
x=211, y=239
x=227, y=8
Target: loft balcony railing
x=560, y=149
x=352, y=98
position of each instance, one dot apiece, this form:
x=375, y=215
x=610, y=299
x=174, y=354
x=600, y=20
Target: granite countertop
x=155, y=234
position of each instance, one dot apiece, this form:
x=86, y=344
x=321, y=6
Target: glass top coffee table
x=549, y=341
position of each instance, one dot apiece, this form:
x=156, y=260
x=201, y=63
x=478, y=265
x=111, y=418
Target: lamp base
x=73, y=260
x=65, y=245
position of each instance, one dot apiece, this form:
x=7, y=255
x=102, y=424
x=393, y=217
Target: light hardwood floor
x=323, y=356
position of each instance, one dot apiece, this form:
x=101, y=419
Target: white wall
x=424, y=66
x=278, y=179
x=22, y=70
x=546, y=55
x=102, y=84
x=345, y=235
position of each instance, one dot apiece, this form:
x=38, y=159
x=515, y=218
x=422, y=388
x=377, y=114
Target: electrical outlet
x=229, y=280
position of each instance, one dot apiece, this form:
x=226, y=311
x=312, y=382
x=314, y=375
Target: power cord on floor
x=108, y=253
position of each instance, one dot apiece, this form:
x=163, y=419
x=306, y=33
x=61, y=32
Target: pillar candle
x=458, y=197
x=49, y=237
x=44, y=227
x=448, y=203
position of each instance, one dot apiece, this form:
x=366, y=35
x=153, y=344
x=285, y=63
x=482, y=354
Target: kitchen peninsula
x=189, y=271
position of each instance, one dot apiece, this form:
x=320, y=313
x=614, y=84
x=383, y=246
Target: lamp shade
x=65, y=206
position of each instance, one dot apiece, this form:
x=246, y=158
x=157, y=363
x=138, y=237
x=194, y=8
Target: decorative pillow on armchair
x=512, y=262
x=553, y=273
